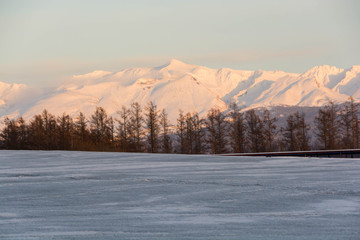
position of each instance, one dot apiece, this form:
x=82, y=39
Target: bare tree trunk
x=216, y=126
x=136, y=120
x=152, y=123
x=165, y=125
x=327, y=126
x=237, y=126
x=269, y=131
x=255, y=135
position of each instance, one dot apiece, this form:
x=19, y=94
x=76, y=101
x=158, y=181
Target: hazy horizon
x=44, y=42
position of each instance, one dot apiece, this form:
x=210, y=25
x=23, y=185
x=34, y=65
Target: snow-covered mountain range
x=177, y=85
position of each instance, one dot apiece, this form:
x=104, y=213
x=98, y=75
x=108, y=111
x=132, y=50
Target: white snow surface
x=177, y=85
x=93, y=195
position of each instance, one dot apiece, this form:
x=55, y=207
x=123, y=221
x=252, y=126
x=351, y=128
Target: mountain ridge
x=177, y=85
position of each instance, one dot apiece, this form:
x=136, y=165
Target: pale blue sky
x=45, y=41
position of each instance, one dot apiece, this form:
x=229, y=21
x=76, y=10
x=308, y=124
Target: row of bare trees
x=338, y=126
x=148, y=129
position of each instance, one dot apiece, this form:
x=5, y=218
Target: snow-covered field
x=82, y=195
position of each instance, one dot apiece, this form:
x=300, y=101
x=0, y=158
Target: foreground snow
x=81, y=195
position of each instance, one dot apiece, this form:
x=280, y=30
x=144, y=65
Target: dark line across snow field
x=92, y=195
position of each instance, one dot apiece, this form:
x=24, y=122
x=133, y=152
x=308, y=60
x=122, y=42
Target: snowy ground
x=81, y=195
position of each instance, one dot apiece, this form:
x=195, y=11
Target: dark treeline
x=148, y=129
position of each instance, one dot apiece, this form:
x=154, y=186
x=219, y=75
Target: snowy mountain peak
x=323, y=75
x=13, y=96
x=322, y=71
x=8, y=88
x=178, y=85
x=175, y=64
x=355, y=68
x=94, y=74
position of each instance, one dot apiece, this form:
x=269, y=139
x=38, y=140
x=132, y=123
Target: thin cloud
x=252, y=56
